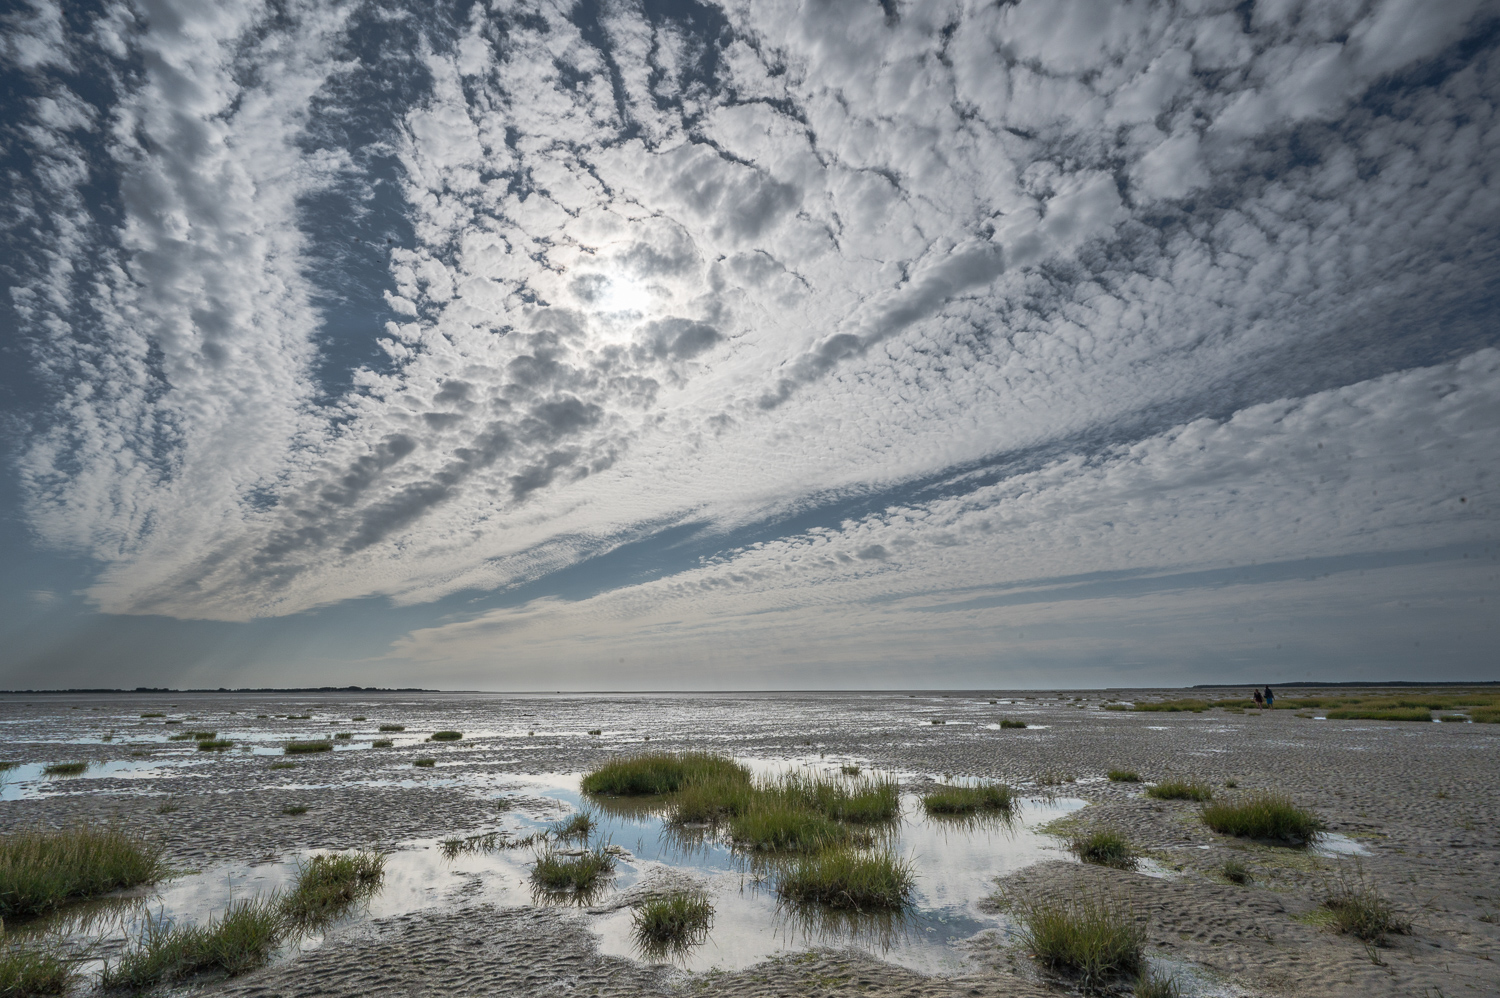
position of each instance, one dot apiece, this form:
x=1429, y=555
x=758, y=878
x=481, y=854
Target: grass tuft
x=982, y=796
x=576, y=826
x=65, y=769
x=1392, y=714
x=1180, y=790
x=673, y=924
x=572, y=877
x=660, y=773
x=283, y=765
x=1124, y=776
x=1006, y=722
x=1090, y=939
x=344, y=736
x=39, y=870
x=1103, y=847
x=446, y=736
x=30, y=970
x=850, y=770
x=393, y=727
x=1264, y=816
x=359, y=717
x=1361, y=911
x=240, y=939
x=215, y=745
x=425, y=763
x=153, y=714
x=784, y=826
x=1153, y=985
x=307, y=748
x=328, y=885
x=294, y=810
x=381, y=743
x=1235, y=872
x=596, y=731
x=849, y=879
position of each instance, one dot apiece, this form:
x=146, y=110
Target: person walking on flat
x=1270, y=697
x=1259, y=700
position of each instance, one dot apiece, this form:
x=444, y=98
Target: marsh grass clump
x=1235, y=872
x=1103, y=847
x=938, y=721
x=33, y=970
x=65, y=769
x=865, y=802
x=980, y=797
x=575, y=826
x=1173, y=706
x=215, y=745
x=1361, y=911
x=1264, y=816
x=446, y=736
x=711, y=801
x=359, y=717
x=307, y=748
x=344, y=736
x=153, y=714
x=1006, y=722
x=596, y=731
x=784, y=826
x=393, y=727
x=1124, y=776
x=39, y=870
x=328, y=885
x=1153, y=985
x=651, y=774
x=1452, y=717
x=424, y=763
x=293, y=810
x=1090, y=939
x=1180, y=790
x=185, y=736
x=1391, y=714
x=672, y=924
x=850, y=770
x=381, y=743
x=572, y=877
x=849, y=879
x=240, y=939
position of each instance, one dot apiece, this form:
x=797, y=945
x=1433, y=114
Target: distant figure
x=1270, y=697
x=1259, y=700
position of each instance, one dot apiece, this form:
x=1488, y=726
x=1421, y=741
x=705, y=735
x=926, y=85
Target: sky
x=766, y=345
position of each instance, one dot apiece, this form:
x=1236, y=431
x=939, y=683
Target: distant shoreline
x=1393, y=683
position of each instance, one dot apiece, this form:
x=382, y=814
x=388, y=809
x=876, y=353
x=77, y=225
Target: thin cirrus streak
x=632, y=267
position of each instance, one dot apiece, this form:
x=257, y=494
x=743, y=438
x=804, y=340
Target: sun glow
x=621, y=294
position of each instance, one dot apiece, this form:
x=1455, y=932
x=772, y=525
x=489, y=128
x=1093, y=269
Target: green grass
x=307, y=748
x=1173, y=706
x=283, y=765
x=240, y=939
x=31, y=970
x=153, y=715
x=575, y=826
x=1452, y=717
x=660, y=773
x=185, y=736
x=864, y=802
x=849, y=879
x=40, y=870
x=446, y=736
x=1124, y=776
x=1235, y=872
x=1180, y=790
x=1006, y=722
x=596, y=731
x=983, y=796
x=1153, y=985
x=850, y=770
x=1090, y=939
x=393, y=727
x=1103, y=847
x=935, y=721
x=381, y=743
x=215, y=745
x=425, y=763
x=359, y=717
x=7, y=766
x=712, y=800
x=782, y=826
x=1395, y=714
x=344, y=736
x=572, y=877
x=65, y=769
x=672, y=924
x=328, y=885
x=294, y=810
x=1263, y=816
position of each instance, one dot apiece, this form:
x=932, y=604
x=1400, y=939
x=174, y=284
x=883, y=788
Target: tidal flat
x=1402, y=815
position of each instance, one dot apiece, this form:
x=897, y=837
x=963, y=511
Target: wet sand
x=1421, y=800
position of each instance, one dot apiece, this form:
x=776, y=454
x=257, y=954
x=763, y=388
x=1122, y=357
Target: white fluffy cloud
x=1145, y=257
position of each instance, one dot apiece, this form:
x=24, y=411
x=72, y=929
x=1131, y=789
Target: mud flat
x=1412, y=812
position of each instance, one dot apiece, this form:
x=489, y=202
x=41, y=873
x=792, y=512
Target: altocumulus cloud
x=326, y=301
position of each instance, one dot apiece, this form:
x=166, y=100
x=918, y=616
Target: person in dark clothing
x=1259, y=700
x=1270, y=697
